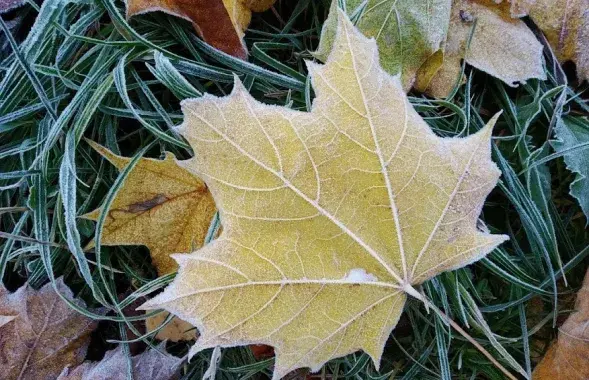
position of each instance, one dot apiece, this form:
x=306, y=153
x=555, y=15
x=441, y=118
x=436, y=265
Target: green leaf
x=572, y=141
x=407, y=32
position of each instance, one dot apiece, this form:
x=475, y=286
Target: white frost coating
x=360, y=275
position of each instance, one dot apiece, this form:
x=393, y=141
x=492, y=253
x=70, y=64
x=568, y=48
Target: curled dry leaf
x=330, y=217
x=566, y=26
x=221, y=23
x=164, y=207
x=568, y=358
x=500, y=45
x=40, y=333
x=154, y=364
x=406, y=32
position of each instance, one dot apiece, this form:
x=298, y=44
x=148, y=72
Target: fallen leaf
x=406, y=32
x=164, y=207
x=330, y=217
x=221, y=23
x=154, y=364
x=568, y=357
x=519, y=8
x=176, y=330
x=261, y=351
x=4, y=319
x=572, y=140
x=566, y=26
x=42, y=333
x=501, y=46
x=8, y=5
x=161, y=205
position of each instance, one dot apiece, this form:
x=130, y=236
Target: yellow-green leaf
x=407, y=32
x=500, y=45
x=330, y=217
x=161, y=205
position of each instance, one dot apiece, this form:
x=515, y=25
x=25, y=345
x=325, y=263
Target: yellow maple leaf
x=330, y=217
x=500, y=45
x=221, y=23
x=161, y=205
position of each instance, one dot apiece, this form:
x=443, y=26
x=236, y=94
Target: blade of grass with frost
x=537, y=180
x=480, y=320
x=50, y=108
x=166, y=73
x=67, y=186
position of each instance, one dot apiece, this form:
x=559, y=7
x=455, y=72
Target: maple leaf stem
x=428, y=303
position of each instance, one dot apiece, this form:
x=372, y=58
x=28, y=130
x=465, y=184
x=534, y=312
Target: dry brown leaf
x=330, y=217
x=175, y=331
x=566, y=26
x=501, y=46
x=221, y=23
x=8, y=5
x=161, y=205
x=40, y=333
x=154, y=364
x=568, y=358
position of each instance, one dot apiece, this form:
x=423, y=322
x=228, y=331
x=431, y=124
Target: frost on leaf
x=40, y=333
x=161, y=205
x=499, y=45
x=9, y=5
x=572, y=140
x=407, y=32
x=164, y=207
x=360, y=185
x=426, y=40
x=566, y=26
x=154, y=364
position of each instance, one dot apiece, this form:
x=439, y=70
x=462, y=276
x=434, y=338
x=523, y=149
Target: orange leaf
x=568, y=358
x=221, y=23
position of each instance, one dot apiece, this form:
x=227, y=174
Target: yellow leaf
x=566, y=26
x=161, y=205
x=500, y=45
x=221, y=23
x=41, y=333
x=568, y=358
x=330, y=217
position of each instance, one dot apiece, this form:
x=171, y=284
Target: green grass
x=72, y=70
